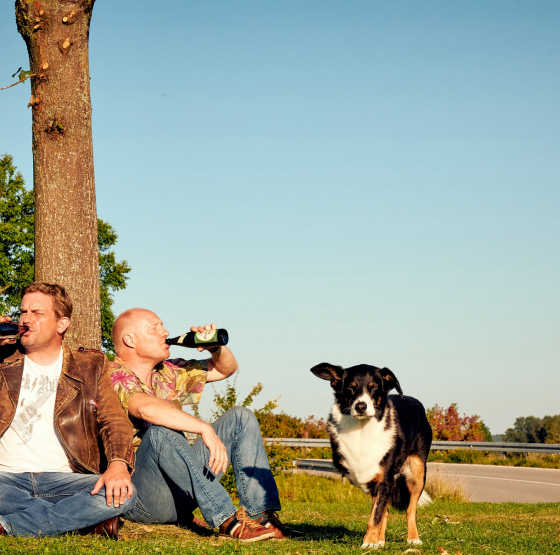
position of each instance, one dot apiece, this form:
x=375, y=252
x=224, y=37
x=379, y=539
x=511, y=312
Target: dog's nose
x=360, y=407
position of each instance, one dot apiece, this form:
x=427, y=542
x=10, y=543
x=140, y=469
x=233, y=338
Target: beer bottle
x=206, y=338
x=9, y=330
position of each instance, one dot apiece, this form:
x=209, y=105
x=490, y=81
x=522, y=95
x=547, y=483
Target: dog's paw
x=373, y=545
x=414, y=542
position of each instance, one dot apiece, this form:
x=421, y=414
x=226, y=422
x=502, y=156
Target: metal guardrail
x=501, y=447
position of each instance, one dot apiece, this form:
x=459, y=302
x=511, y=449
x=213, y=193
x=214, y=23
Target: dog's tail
x=425, y=499
x=400, y=496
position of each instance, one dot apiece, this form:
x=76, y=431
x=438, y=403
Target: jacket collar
x=70, y=365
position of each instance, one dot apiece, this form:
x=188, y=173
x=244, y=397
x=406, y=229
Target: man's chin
x=26, y=341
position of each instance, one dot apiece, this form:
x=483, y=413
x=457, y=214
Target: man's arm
x=116, y=432
x=163, y=413
x=222, y=365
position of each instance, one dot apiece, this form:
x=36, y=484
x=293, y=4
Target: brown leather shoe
x=270, y=520
x=242, y=527
x=2, y=531
x=108, y=529
x=197, y=525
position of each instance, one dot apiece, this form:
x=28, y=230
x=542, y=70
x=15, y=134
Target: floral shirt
x=176, y=380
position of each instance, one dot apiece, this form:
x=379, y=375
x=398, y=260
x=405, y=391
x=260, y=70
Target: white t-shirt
x=30, y=443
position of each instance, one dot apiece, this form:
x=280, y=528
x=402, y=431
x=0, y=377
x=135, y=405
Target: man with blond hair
x=54, y=406
x=172, y=477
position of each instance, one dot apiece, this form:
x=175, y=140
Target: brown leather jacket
x=87, y=410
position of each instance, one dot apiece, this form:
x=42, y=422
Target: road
x=495, y=484
x=498, y=484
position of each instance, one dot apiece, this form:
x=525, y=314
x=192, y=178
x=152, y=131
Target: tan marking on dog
x=373, y=533
x=415, y=481
x=384, y=521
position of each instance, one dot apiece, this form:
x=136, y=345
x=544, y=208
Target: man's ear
x=129, y=340
x=390, y=381
x=330, y=372
x=63, y=324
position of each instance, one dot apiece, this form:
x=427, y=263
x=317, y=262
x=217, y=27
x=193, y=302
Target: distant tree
x=531, y=429
x=17, y=253
x=448, y=425
x=113, y=277
x=487, y=432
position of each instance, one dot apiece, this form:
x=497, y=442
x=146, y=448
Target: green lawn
x=334, y=514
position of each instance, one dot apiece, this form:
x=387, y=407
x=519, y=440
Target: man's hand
x=3, y=320
x=116, y=480
x=207, y=327
x=218, y=461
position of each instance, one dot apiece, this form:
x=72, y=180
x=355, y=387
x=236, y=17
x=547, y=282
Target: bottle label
x=206, y=336
x=182, y=338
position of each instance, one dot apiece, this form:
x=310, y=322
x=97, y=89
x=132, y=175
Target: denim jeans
x=172, y=477
x=51, y=503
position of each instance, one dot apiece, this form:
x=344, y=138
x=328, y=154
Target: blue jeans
x=172, y=477
x=51, y=503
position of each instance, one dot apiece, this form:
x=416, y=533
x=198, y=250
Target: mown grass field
x=334, y=514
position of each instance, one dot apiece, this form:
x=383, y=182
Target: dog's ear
x=330, y=372
x=390, y=381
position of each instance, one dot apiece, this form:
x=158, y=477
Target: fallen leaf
x=412, y=551
x=443, y=520
x=147, y=529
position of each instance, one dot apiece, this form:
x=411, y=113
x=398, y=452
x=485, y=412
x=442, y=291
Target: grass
x=334, y=514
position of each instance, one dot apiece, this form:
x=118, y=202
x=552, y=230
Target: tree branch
x=20, y=81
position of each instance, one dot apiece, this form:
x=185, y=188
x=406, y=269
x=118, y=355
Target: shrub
x=284, y=425
x=447, y=425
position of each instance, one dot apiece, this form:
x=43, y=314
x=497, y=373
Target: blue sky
x=367, y=182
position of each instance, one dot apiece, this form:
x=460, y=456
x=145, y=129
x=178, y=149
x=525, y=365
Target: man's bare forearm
x=222, y=365
x=163, y=413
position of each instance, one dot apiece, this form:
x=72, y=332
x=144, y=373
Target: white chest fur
x=362, y=443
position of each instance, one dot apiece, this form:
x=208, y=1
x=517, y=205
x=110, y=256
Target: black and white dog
x=380, y=442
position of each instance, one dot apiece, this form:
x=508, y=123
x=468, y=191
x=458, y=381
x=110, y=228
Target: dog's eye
x=372, y=386
x=353, y=385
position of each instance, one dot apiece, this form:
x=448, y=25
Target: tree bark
x=57, y=36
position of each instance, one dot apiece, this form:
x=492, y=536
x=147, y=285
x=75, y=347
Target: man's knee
x=161, y=438
x=244, y=416
x=129, y=503
x=158, y=433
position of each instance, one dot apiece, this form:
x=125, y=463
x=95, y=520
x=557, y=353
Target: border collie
x=380, y=442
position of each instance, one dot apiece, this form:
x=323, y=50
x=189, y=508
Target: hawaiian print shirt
x=176, y=380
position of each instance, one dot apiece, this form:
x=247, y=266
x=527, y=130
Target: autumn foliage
x=448, y=425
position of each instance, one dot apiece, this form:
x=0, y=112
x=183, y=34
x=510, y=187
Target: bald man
x=172, y=477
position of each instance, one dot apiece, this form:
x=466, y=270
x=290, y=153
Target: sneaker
x=242, y=527
x=270, y=520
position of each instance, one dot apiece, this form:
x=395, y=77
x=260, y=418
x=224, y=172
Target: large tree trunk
x=56, y=33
